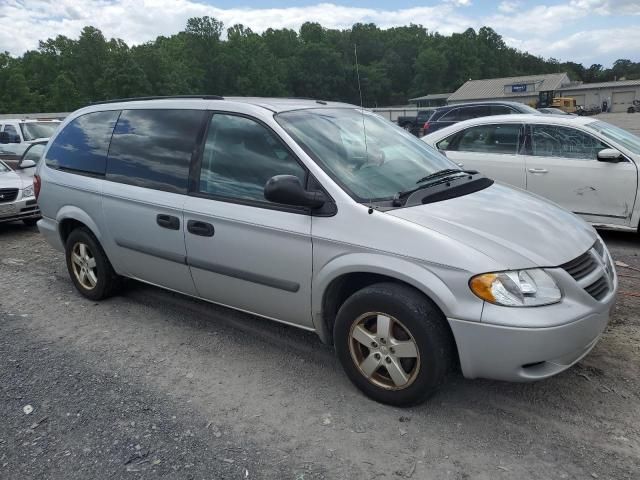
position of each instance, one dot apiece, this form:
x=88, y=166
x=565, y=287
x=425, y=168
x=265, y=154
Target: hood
x=515, y=228
x=14, y=180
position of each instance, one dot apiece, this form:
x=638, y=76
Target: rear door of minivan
x=143, y=197
x=244, y=251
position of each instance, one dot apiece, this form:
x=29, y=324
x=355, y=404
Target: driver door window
x=563, y=142
x=239, y=156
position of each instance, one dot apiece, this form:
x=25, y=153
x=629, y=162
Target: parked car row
x=326, y=217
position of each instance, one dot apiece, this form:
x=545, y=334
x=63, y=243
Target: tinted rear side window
x=153, y=148
x=473, y=112
x=83, y=144
x=501, y=110
x=450, y=116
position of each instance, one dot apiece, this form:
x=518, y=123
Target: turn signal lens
x=520, y=288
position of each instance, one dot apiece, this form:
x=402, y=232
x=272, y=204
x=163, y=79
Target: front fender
x=427, y=278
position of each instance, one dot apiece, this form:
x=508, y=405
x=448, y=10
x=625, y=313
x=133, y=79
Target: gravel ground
x=151, y=384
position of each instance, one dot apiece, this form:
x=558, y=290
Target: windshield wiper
x=438, y=177
x=444, y=173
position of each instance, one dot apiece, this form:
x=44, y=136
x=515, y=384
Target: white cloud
x=589, y=46
x=509, y=6
x=24, y=22
x=541, y=29
x=609, y=7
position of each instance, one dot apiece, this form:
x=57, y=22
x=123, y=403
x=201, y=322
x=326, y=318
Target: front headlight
x=520, y=288
x=27, y=192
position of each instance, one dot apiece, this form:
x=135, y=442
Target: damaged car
x=585, y=165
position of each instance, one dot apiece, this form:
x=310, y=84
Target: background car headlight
x=27, y=192
x=520, y=288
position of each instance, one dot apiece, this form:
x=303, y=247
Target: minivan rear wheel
x=88, y=265
x=394, y=343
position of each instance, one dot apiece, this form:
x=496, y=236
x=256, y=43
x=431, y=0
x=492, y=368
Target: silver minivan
x=329, y=218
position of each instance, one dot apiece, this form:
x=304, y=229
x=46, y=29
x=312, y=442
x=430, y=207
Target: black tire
x=425, y=323
x=30, y=222
x=107, y=280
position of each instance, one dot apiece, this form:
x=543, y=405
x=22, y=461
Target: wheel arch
x=342, y=277
x=70, y=217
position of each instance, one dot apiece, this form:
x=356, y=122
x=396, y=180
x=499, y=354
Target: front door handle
x=168, y=221
x=538, y=170
x=203, y=229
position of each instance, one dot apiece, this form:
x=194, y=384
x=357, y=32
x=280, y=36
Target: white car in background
x=16, y=134
x=585, y=165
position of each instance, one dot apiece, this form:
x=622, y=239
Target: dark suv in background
x=450, y=114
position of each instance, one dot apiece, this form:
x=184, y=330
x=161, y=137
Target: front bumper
x=20, y=209
x=516, y=354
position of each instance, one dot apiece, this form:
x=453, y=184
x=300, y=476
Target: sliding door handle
x=538, y=170
x=168, y=221
x=203, y=229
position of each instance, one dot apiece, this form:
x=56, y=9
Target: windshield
x=33, y=130
x=617, y=134
x=392, y=160
x=4, y=168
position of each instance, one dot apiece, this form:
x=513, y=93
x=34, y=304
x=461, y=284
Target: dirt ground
x=150, y=384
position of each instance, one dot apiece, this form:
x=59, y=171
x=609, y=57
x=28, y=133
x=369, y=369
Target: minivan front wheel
x=393, y=343
x=89, y=267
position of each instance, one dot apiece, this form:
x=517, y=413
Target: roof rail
x=168, y=97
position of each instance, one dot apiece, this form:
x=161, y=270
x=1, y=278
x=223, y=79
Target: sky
x=584, y=31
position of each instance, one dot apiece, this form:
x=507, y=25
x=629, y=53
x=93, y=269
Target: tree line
x=395, y=64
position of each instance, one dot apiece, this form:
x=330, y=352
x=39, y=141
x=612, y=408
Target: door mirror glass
x=287, y=189
x=610, y=155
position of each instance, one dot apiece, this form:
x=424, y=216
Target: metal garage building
x=618, y=95
x=524, y=89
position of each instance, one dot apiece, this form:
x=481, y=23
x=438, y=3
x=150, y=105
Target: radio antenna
x=364, y=128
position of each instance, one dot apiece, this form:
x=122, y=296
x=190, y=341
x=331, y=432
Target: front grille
x=598, y=289
x=581, y=266
x=592, y=271
x=8, y=194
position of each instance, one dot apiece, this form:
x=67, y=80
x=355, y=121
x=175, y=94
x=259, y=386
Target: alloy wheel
x=384, y=351
x=84, y=265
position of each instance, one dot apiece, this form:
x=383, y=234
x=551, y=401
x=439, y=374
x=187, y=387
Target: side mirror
x=4, y=138
x=286, y=189
x=610, y=155
x=26, y=163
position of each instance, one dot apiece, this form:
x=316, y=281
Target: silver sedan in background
x=17, y=198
